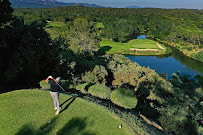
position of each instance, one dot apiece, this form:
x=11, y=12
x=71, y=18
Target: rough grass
x=117, y=47
x=32, y=112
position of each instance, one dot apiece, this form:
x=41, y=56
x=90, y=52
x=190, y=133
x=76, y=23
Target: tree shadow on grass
x=45, y=129
x=76, y=126
x=103, y=50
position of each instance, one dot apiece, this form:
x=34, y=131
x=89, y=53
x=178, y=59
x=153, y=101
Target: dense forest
x=181, y=28
x=28, y=55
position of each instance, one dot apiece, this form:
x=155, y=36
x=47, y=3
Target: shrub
x=65, y=84
x=168, y=50
x=143, y=92
x=189, y=48
x=200, y=46
x=127, y=74
x=199, y=55
x=124, y=98
x=83, y=87
x=98, y=75
x=100, y=91
x=172, y=118
x=44, y=85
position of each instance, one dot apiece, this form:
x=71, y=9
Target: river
x=169, y=64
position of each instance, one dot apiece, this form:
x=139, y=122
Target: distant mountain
x=45, y=4
x=133, y=7
x=137, y=7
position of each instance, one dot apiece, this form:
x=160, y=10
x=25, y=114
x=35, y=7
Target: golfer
x=54, y=92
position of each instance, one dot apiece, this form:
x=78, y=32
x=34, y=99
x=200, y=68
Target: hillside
x=45, y=4
x=32, y=112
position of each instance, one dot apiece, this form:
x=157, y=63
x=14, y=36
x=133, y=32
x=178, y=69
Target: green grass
x=32, y=112
x=117, y=47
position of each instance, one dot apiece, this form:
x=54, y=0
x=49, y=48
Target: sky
x=189, y=4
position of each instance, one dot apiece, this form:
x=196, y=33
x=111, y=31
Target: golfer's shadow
x=66, y=107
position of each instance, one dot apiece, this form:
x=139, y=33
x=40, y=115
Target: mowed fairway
x=117, y=47
x=32, y=112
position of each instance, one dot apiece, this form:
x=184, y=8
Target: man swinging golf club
x=54, y=91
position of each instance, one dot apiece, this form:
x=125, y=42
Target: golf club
x=63, y=88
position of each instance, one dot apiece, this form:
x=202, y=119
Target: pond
x=169, y=64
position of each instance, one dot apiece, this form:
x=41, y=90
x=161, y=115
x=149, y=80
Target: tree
x=5, y=12
x=5, y=34
x=83, y=37
x=26, y=51
x=98, y=75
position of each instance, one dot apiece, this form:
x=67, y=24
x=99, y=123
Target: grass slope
x=32, y=112
x=117, y=47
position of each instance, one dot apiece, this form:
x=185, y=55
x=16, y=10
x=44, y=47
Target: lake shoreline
x=175, y=46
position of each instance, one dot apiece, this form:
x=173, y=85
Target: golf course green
x=143, y=46
x=32, y=112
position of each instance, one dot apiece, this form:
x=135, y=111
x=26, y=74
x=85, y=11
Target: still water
x=169, y=64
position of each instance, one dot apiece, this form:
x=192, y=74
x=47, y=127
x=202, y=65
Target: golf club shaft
x=60, y=86
x=63, y=89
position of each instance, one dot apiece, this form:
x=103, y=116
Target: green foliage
x=173, y=117
x=126, y=74
x=44, y=85
x=65, y=84
x=138, y=125
x=124, y=98
x=26, y=54
x=30, y=51
x=121, y=25
x=98, y=75
x=5, y=12
x=83, y=36
x=143, y=91
x=189, y=48
x=99, y=25
x=100, y=91
x=84, y=87
x=168, y=50
x=199, y=55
